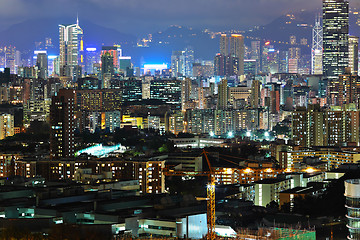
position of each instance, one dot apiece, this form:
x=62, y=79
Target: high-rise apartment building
x=354, y=54
x=6, y=125
x=344, y=90
x=223, y=94
x=255, y=94
x=70, y=41
x=62, y=124
x=335, y=41
x=314, y=126
x=317, y=48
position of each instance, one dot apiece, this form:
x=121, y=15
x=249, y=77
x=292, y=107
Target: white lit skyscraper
x=335, y=41
x=317, y=48
x=69, y=47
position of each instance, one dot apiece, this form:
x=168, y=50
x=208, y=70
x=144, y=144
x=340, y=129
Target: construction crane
x=210, y=192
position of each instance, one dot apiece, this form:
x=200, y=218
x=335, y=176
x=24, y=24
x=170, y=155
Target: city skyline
x=181, y=133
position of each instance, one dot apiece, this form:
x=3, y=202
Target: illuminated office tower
x=107, y=69
x=317, y=48
x=69, y=48
x=81, y=50
x=185, y=92
x=10, y=55
x=92, y=57
x=177, y=63
x=237, y=49
x=114, y=52
x=256, y=53
x=354, y=54
x=232, y=46
x=42, y=64
x=62, y=124
x=335, y=41
x=224, y=45
x=182, y=62
x=188, y=61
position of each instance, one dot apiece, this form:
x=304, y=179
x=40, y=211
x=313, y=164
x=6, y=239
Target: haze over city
x=141, y=16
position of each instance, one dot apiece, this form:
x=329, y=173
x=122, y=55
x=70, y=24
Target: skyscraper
x=107, y=69
x=188, y=61
x=92, y=57
x=335, y=41
x=317, y=48
x=232, y=46
x=223, y=94
x=224, y=45
x=62, y=124
x=69, y=39
x=42, y=64
x=114, y=52
x=177, y=63
x=354, y=54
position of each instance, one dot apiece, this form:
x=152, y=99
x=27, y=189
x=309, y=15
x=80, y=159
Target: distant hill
x=25, y=34
x=174, y=38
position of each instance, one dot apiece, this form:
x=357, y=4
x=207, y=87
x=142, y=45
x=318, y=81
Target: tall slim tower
x=237, y=49
x=317, y=48
x=70, y=43
x=335, y=41
x=224, y=45
x=223, y=94
x=354, y=54
x=62, y=124
x=188, y=61
x=233, y=46
x=42, y=64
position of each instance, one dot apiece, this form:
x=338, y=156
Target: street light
x=212, y=134
x=230, y=134
x=248, y=134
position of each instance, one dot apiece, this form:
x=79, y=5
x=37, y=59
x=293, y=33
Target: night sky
x=146, y=16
